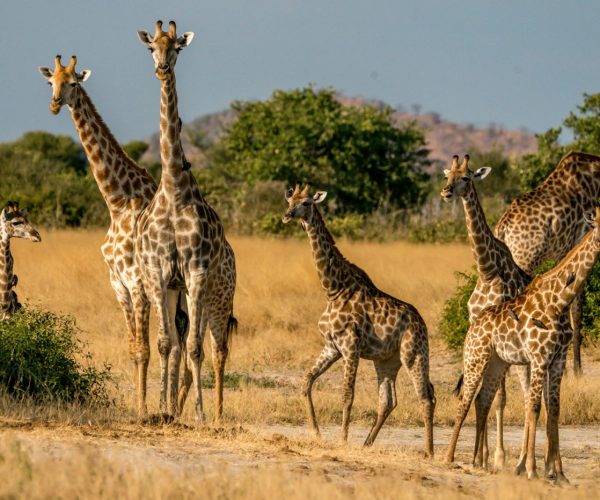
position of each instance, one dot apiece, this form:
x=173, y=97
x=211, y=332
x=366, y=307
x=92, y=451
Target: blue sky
x=514, y=63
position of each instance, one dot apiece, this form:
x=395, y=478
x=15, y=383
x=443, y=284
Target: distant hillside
x=444, y=138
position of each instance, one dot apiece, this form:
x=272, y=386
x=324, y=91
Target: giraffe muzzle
x=446, y=194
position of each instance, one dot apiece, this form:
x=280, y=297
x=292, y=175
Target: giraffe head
x=64, y=80
x=164, y=47
x=14, y=223
x=301, y=203
x=593, y=221
x=459, y=178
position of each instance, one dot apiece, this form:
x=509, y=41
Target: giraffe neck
x=174, y=178
x=480, y=235
x=580, y=174
x=6, y=271
x=118, y=177
x=334, y=271
x=568, y=277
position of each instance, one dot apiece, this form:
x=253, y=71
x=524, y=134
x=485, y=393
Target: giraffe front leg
x=174, y=354
x=538, y=376
x=351, y=359
x=328, y=356
x=524, y=374
x=553, y=462
x=575, y=314
x=387, y=371
x=500, y=454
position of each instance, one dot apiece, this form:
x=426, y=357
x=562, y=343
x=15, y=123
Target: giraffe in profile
x=180, y=243
x=533, y=328
x=499, y=278
x=13, y=224
x=545, y=223
x=361, y=321
x=127, y=189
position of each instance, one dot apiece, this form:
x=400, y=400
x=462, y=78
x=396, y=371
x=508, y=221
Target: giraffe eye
x=465, y=178
x=305, y=203
x=72, y=84
x=18, y=223
x=150, y=49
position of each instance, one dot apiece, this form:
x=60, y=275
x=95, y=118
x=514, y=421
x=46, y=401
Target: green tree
x=356, y=153
x=49, y=174
x=135, y=149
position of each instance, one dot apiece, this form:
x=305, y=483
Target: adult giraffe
x=127, y=189
x=545, y=223
x=181, y=243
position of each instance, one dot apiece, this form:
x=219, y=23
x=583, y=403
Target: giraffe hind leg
x=387, y=371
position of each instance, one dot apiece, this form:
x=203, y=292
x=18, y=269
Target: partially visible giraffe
x=531, y=328
x=181, y=243
x=127, y=189
x=361, y=321
x=545, y=223
x=499, y=278
x=13, y=224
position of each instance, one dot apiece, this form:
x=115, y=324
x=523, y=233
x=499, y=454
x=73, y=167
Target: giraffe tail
x=232, y=326
x=182, y=320
x=458, y=389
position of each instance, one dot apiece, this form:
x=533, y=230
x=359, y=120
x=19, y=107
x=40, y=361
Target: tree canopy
x=358, y=154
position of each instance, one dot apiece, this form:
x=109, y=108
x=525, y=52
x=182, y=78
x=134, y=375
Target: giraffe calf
x=361, y=321
x=13, y=224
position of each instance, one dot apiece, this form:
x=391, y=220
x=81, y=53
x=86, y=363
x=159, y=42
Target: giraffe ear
x=589, y=218
x=319, y=196
x=84, y=75
x=144, y=37
x=185, y=39
x=288, y=194
x=482, y=173
x=46, y=72
x=446, y=172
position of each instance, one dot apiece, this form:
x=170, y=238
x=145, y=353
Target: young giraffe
x=127, y=189
x=499, y=278
x=181, y=243
x=547, y=222
x=361, y=321
x=13, y=224
x=531, y=328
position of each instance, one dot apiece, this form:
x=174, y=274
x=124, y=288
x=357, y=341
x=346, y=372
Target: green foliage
x=48, y=174
x=454, y=322
x=41, y=357
x=537, y=166
x=355, y=153
x=135, y=149
x=591, y=304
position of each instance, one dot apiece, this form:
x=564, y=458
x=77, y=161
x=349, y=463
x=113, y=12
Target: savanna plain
x=263, y=449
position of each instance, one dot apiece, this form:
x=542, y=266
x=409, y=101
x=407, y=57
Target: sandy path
x=397, y=453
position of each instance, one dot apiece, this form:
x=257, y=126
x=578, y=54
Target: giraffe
x=180, y=242
x=126, y=188
x=13, y=224
x=361, y=321
x=499, y=278
x=531, y=328
x=545, y=223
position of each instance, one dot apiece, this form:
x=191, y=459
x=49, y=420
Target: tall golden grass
x=278, y=303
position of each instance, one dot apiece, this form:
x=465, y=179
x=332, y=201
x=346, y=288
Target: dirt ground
x=203, y=452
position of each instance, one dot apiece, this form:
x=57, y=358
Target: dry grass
x=278, y=303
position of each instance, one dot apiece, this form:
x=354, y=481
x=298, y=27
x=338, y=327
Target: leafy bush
x=454, y=322
x=591, y=304
x=41, y=357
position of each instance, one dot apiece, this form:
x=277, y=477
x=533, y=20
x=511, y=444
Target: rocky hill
x=444, y=138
